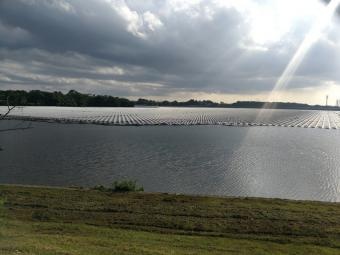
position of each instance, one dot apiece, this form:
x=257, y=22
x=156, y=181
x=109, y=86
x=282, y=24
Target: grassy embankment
x=40, y=220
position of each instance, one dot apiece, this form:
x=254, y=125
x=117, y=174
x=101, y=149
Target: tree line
x=75, y=98
x=72, y=98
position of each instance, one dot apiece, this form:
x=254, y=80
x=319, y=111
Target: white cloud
x=134, y=23
x=139, y=24
x=110, y=70
x=151, y=21
x=61, y=5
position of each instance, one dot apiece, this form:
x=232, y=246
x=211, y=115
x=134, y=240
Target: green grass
x=40, y=220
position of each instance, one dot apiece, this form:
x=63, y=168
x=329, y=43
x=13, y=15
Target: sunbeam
x=309, y=40
x=312, y=36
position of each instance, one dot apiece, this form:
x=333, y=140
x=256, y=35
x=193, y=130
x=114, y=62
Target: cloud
x=161, y=48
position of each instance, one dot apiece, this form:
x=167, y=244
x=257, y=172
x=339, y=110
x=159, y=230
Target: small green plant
x=126, y=186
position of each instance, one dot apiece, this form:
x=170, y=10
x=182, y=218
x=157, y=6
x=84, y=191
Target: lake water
x=293, y=163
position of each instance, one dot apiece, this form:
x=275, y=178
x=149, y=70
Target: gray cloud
x=149, y=48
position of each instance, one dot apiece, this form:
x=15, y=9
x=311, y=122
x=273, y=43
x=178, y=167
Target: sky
x=222, y=50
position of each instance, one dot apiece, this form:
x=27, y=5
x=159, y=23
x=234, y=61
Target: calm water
x=217, y=160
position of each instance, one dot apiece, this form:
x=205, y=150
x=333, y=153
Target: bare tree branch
x=9, y=109
x=15, y=129
x=3, y=116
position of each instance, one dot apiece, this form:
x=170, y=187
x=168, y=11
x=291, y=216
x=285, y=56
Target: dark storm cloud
x=133, y=49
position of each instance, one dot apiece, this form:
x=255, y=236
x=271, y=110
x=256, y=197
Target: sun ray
x=313, y=35
x=310, y=39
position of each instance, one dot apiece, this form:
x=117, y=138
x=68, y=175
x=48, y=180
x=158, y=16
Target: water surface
x=216, y=160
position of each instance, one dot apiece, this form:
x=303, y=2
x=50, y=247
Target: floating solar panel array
x=141, y=116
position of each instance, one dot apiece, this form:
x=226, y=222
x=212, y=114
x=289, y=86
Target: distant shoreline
x=237, y=105
x=76, y=99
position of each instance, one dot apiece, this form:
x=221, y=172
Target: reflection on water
x=216, y=160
